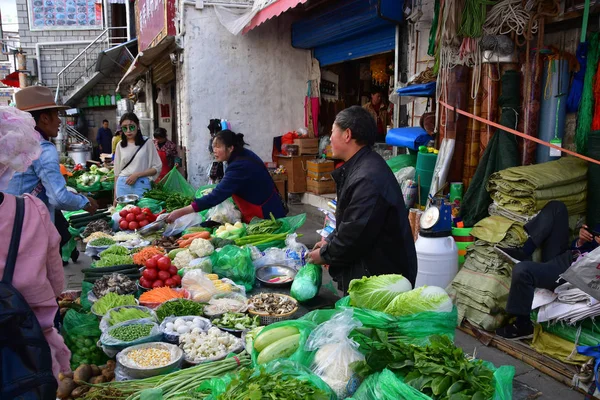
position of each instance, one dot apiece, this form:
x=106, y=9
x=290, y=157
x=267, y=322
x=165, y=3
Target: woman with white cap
x=37, y=269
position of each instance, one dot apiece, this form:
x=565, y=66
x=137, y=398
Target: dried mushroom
x=272, y=304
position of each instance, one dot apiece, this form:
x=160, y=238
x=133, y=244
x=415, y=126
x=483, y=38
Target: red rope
x=517, y=133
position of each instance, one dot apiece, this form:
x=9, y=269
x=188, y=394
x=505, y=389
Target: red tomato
x=157, y=257
x=170, y=283
x=151, y=218
x=123, y=213
x=164, y=263
x=141, y=217
x=151, y=263
x=124, y=225
x=144, y=223
x=147, y=211
x=130, y=217
x=158, y=283
x=177, y=279
x=150, y=274
x=135, y=210
x=133, y=226
x=145, y=282
x=163, y=275
x=173, y=270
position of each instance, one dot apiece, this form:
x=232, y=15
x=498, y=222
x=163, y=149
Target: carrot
x=147, y=253
x=160, y=295
x=196, y=235
x=185, y=243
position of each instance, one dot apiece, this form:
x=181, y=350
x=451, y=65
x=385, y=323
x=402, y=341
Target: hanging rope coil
x=498, y=44
x=508, y=16
x=473, y=18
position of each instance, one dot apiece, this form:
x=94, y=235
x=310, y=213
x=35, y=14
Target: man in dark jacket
x=373, y=234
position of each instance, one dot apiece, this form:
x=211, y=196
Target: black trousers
x=549, y=231
x=62, y=226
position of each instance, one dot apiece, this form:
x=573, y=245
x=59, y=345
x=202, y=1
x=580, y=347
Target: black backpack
x=26, y=366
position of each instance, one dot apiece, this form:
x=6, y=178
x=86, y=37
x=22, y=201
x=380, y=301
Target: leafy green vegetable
x=440, y=370
x=116, y=250
x=424, y=298
x=112, y=300
x=109, y=260
x=264, y=226
x=126, y=314
x=178, y=308
x=376, y=292
x=103, y=241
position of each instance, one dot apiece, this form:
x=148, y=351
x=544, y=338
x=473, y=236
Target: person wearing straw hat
x=43, y=178
x=38, y=272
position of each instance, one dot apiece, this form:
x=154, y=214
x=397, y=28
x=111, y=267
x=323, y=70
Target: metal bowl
x=128, y=199
x=157, y=225
x=267, y=272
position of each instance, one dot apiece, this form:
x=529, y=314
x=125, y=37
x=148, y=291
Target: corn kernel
x=150, y=357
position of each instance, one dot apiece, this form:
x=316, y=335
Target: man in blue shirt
x=43, y=178
x=104, y=138
x=549, y=231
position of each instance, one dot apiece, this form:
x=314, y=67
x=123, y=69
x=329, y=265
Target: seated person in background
x=549, y=231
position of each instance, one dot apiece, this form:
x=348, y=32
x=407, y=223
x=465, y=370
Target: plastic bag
x=155, y=206
x=307, y=282
x=235, y=263
x=296, y=250
x=81, y=332
x=111, y=345
x=386, y=386
x=200, y=288
x=204, y=190
x=202, y=323
x=105, y=321
x=275, y=256
x=182, y=223
x=96, y=187
x=176, y=183
x=224, y=212
x=301, y=355
x=203, y=264
x=335, y=352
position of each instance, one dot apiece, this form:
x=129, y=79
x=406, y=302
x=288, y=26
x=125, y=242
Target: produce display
x=115, y=249
x=150, y=357
x=173, y=201
x=280, y=342
x=376, y=292
x=73, y=385
x=100, y=242
x=256, y=240
x=236, y=321
x=229, y=231
x=183, y=259
x=224, y=305
x=96, y=235
x=129, y=333
x=122, y=314
x=165, y=242
x=130, y=271
x=114, y=283
x=214, y=344
x=135, y=218
x=112, y=300
x=111, y=260
x=159, y=272
x=145, y=254
x=178, y=308
x=265, y=226
x=421, y=299
x=272, y=304
x=160, y=295
x=186, y=240
x=180, y=326
x=96, y=226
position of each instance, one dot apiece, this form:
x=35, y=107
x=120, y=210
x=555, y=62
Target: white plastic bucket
x=437, y=261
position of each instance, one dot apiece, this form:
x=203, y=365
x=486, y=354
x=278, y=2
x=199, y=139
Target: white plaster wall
x=256, y=81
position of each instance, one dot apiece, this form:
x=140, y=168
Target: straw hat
x=35, y=98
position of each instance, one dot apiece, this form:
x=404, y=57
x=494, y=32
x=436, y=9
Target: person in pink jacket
x=39, y=274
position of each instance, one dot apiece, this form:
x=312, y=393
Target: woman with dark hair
x=136, y=162
x=167, y=151
x=246, y=180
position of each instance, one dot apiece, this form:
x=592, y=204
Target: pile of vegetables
x=78, y=221
x=96, y=235
x=116, y=250
x=178, y=308
x=440, y=370
x=237, y=321
x=134, y=218
x=266, y=226
x=111, y=260
x=224, y=305
x=99, y=225
x=129, y=271
x=126, y=314
x=202, y=346
x=129, y=333
x=280, y=342
x=101, y=242
x=183, y=382
x=179, y=326
x=73, y=385
x=187, y=239
x=229, y=231
x=159, y=272
x=145, y=254
x=173, y=201
x=160, y=295
x=272, y=304
x=166, y=242
x=112, y=300
x=115, y=283
x=376, y=292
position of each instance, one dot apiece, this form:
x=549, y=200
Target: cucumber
x=93, y=279
x=88, y=215
x=270, y=336
x=115, y=268
x=283, y=348
x=131, y=271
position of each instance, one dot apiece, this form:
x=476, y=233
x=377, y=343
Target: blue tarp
x=411, y=137
x=420, y=90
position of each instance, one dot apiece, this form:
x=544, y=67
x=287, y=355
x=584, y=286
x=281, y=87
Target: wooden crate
x=307, y=146
x=296, y=171
x=320, y=187
x=319, y=169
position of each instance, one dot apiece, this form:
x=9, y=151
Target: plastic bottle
x=224, y=124
x=113, y=100
x=96, y=101
x=101, y=100
x=90, y=101
x=118, y=97
x=107, y=100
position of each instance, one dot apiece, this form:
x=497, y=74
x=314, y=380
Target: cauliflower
x=183, y=258
x=201, y=247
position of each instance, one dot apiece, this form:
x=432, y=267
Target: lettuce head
x=376, y=292
x=424, y=298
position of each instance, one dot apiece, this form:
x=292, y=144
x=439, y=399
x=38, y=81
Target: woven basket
x=267, y=319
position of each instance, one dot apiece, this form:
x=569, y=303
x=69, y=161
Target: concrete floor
x=529, y=383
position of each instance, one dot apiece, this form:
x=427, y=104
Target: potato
x=95, y=370
x=111, y=364
x=98, y=379
x=108, y=374
x=79, y=391
x=83, y=373
x=65, y=388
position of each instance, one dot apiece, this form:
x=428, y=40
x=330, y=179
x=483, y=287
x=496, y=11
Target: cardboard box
x=328, y=152
x=296, y=172
x=320, y=187
x=319, y=176
x=307, y=146
x=319, y=169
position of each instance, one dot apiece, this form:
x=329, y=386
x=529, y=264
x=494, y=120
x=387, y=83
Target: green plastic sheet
x=176, y=183
x=402, y=161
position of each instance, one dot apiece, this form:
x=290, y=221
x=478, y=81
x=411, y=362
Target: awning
x=272, y=10
x=144, y=60
x=12, y=79
x=120, y=55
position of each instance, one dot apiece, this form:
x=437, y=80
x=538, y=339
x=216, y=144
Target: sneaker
x=516, y=332
x=512, y=255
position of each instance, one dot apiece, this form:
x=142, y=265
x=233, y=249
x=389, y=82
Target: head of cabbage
x=421, y=299
x=377, y=292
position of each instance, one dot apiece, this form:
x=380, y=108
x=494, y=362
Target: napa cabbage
x=377, y=292
x=424, y=298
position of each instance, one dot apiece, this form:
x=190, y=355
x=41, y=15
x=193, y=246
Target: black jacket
x=372, y=235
